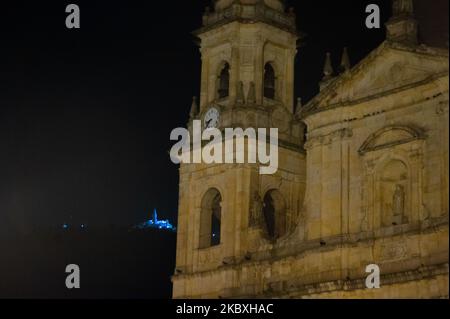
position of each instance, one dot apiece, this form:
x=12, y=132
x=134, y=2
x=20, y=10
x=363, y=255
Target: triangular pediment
x=386, y=69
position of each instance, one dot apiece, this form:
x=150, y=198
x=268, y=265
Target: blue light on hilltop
x=155, y=223
x=67, y=226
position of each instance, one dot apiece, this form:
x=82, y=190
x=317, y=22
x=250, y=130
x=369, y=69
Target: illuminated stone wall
x=369, y=186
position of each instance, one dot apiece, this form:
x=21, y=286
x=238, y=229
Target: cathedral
x=363, y=167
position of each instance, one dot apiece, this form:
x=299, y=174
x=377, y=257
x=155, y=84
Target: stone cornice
x=298, y=290
x=329, y=138
x=295, y=249
x=292, y=289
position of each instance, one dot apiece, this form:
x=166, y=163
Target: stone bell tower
x=228, y=212
x=248, y=36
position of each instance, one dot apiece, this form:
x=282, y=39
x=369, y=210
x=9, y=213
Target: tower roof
x=268, y=11
x=273, y=4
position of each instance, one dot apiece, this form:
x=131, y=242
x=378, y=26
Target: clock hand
x=208, y=122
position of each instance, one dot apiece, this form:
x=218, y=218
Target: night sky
x=85, y=115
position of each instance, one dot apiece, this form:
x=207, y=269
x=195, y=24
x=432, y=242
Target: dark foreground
x=113, y=264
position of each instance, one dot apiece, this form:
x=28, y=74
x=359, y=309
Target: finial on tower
x=298, y=108
x=328, y=72
x=328, y=68
x=206, y=15
x=345, y=62
x=403, y=7
x=402, y=27
x=194, y=108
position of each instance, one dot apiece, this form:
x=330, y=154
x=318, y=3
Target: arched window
x=274, y=212
x=269, y=81
x=224, y=81
x=210, y=219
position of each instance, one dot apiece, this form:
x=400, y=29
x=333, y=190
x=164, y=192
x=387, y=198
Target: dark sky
x=85, y=115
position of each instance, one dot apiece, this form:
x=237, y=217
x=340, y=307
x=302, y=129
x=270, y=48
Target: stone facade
x=369, y=185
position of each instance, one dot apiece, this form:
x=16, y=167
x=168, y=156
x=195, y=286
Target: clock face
x=212, y=118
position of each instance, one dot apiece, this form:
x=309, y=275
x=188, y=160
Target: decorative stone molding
x=391, y=136
x=393, y=164
x=249, y=12
x=341, y=134
x=442, y=108
x=394, y=251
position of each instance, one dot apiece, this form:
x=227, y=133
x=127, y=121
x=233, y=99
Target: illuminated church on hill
x=156, y=224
